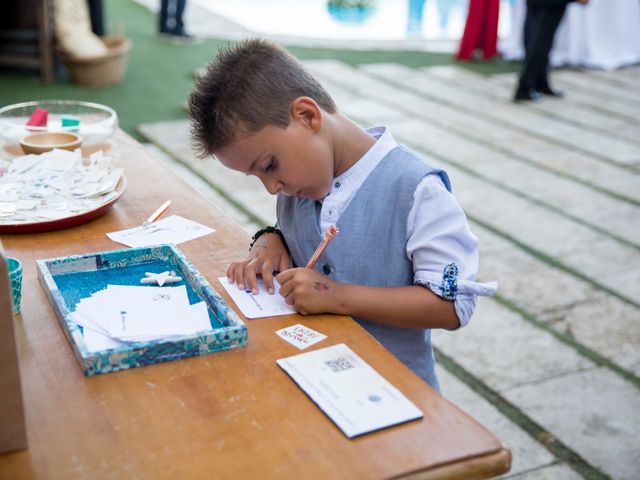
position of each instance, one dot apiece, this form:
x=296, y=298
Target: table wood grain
x=231, y=414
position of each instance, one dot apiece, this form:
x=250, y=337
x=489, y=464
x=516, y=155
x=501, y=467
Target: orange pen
x=332, y=231
x=157, y=214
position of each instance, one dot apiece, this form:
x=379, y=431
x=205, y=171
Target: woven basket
x=103, y=70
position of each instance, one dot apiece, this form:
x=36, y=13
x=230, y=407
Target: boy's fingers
x=251, y=282
x=282, y=277
x=231, y=274
x=235, y=274
x=287, y=293
x=288, y=299
x=285, y=287
x=267, y=277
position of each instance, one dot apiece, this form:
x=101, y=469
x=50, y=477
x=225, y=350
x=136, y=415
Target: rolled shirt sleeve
x=438, y=236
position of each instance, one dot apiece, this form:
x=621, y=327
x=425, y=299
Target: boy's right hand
x=267, y=255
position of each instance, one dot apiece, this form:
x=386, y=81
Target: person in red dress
x=481, y=30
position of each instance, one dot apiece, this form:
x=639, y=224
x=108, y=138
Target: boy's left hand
x=308, y=291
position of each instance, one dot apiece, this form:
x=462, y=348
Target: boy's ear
x=306, y=111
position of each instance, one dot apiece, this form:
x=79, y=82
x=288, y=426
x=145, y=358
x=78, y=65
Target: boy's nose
x=273, y=186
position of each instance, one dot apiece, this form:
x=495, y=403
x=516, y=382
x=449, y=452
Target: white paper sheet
x=173, y=229
x=348, y=390
x=260, y=305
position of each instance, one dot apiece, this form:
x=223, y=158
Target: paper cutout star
x=160, y=278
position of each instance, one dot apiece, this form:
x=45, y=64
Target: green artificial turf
x=160, y=73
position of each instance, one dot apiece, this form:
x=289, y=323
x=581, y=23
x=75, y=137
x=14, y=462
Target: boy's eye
x=271, y=165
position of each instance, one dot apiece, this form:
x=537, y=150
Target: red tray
x=65, y=222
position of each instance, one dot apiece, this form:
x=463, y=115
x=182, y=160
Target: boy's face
x=296, y=160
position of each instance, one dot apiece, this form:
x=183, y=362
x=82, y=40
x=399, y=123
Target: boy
x=404, y=261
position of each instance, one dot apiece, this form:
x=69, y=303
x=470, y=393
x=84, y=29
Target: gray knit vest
x=371, y=246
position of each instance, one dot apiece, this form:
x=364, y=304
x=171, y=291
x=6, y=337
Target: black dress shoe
x=526, y=96
x=550, y=92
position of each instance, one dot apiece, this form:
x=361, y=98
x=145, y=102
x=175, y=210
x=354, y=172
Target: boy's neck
x=350, y=143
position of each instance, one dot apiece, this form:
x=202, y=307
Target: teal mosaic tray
x=67, y=280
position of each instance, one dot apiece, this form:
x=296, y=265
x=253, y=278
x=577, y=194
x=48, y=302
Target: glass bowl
x=97, y=122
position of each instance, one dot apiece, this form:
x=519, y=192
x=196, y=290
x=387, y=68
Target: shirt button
x=337, y=184
x=326, y=269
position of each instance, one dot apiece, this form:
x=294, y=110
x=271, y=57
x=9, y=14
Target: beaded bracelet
x=264, y=230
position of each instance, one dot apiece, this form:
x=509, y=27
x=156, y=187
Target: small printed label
x=300, y=336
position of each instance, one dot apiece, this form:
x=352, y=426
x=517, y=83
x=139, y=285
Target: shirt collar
x=385, y=142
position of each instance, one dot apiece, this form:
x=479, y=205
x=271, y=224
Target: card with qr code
x=351, y=393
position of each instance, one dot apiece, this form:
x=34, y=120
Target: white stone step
x=615, y=77
x=507, y=114
x=565, y=303
x=527, y=453
x=600, y=90
x=613, y=106
x=567, y=110
x=595, y=412
x=553, y=472
x=591, y=410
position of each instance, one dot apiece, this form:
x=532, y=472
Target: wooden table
x=231, y=414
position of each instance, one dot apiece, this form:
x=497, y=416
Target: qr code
x=339, y=364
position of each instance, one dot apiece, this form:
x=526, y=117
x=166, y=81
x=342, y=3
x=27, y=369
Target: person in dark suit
x=540, y=25
x=171, y=23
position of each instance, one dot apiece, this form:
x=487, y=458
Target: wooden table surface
x=232, y=414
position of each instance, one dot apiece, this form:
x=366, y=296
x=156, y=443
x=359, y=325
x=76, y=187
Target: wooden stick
x=332, y=231
x=156, y=215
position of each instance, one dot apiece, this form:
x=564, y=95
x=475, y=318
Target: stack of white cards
x=121, y=314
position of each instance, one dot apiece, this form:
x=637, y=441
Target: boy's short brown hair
x=247, y=87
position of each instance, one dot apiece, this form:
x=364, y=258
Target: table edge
x=479, y=467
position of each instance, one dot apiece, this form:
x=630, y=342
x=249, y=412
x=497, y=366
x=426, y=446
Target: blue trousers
x=171, y=16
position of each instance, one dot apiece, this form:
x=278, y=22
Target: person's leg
x=550, y=21
x=490, y=37
x=180, y=6
x=531, y=31
x=527, y=29
x=164, y=15
x=96, y=13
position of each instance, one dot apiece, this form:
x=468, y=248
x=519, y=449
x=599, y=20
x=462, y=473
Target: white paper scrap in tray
x=260, y=305
x=173, y=229
x=120, y=314
x=352, y=394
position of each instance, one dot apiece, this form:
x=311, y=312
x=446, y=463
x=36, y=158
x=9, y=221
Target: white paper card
x=260, y=305
x=300, y=336
x=130, y=313
x=348, y=390
x=173, y=229
x=96, y=341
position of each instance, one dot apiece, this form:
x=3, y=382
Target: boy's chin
x=305, y=194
